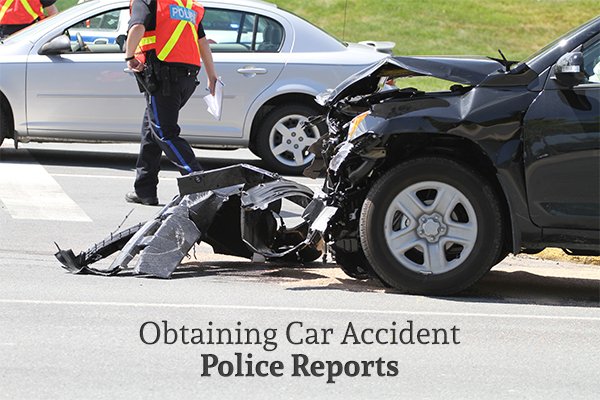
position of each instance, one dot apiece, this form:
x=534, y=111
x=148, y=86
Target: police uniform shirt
x=10, y=29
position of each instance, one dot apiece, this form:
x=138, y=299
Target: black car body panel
x=465, y=70
x=486, y=117
x=561, y=135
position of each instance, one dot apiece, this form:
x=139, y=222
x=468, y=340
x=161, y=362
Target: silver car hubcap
x=430, y=227
x=289, y=140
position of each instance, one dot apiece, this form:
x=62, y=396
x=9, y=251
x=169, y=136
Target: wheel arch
x=464, y=151
x=9, y=124
x=282, y=99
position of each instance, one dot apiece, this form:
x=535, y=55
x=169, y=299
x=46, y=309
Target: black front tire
x=448, y=237
x=354, y=264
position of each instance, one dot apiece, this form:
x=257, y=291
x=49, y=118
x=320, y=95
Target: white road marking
x=93, y=176
x=296, y=309
x=313, y=184
x=29, y=192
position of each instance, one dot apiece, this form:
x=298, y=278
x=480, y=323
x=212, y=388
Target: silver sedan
x=63, y=79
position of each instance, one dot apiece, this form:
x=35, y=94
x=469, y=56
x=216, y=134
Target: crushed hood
x=463, y=70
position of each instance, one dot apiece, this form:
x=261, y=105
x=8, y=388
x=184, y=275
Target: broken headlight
x=358, y=127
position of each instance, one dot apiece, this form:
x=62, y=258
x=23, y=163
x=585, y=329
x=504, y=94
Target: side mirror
x=59, y=45
x=568, y=70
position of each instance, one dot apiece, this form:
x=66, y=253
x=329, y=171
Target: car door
x=85, y=94
x=247, y=61
x=562, y=151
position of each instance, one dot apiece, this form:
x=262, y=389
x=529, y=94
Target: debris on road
x=244, y=199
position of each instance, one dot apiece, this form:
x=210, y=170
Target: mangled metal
x=244, y=199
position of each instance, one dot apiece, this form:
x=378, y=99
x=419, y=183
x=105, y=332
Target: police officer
x=18, y=14
x=165, y=46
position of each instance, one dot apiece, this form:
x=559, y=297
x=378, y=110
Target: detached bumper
x=235, y=209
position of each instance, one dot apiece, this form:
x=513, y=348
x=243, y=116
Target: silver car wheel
x=430, y=227
x=289, y=140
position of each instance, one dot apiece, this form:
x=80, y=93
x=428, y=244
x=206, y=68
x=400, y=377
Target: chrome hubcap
x=430, y=227
x=289, y=140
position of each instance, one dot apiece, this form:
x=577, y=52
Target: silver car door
x=248, y=63
x=84, y=95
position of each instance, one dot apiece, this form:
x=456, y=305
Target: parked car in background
x=62, y=79
x=106, y=28
x=433, y=189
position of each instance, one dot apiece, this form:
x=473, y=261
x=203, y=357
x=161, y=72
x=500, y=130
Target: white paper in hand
x=215, y=103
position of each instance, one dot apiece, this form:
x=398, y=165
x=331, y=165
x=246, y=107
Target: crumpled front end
x=374, y=126
x=347, y=164
x=356, y=151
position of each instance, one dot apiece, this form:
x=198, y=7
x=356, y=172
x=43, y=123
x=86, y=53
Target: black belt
x=183, y=71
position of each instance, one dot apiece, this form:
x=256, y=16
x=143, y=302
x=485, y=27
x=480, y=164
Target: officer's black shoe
x=132, y=197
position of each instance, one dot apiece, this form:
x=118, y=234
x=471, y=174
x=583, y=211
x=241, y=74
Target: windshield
x=560, y=42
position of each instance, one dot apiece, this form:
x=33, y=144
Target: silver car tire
x=431, y=226
x=282, y=142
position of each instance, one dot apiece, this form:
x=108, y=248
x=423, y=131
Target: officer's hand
x=135, y=65
x=212, y=83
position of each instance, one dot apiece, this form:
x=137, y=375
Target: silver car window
x=230, y=31
x=103, y=33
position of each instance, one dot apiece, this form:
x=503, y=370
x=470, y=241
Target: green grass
x=518, y=27
x=64, y=4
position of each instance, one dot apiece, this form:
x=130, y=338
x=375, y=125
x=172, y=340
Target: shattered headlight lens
x=358, y=127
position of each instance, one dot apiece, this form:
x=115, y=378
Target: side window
x=269, y=35
x=591, y=60
x=234, y=31
x=103, y=33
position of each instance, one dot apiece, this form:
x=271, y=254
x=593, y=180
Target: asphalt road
x=529, y=329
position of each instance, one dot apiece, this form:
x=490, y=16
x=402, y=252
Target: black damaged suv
x=433, y=189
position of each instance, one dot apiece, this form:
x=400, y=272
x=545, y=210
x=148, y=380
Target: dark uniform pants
x=160, y=133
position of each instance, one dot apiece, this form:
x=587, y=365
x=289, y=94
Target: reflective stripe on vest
x=176, y=36
x=20, y=12
x=147, y=43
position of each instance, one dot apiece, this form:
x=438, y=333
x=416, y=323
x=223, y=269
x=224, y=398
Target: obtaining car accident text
x=246, y=364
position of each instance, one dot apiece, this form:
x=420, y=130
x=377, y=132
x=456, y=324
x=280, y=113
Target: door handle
x=251, y=71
